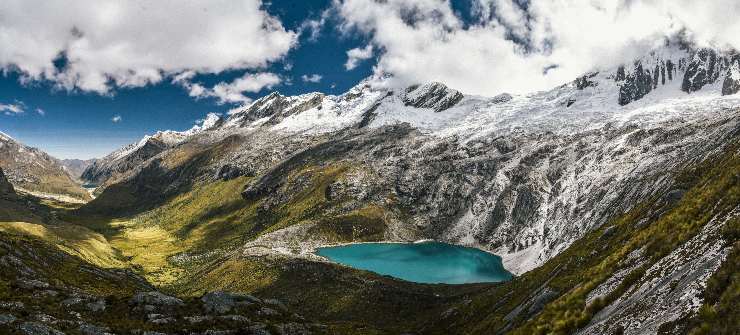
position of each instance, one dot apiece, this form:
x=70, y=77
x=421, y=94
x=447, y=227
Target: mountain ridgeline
x=32, y=170
x=614, y=199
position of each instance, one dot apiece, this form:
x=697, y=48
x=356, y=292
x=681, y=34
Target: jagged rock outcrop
x=6, y=188
x=704, y=67
x=637, y=84
x=695, y=68
x=436, y=96
x=275, y=107
x=731, y=85
x=584, y=81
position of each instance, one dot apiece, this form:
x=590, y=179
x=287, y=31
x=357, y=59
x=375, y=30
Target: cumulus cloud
x=233, y=92
x=116, y=119
x=520, y=49
x=314, y=78
x=99, y=45
x=356, y=55
x=13, y=109
x=40, y=111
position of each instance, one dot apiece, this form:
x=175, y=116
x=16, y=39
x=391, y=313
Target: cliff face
x=6, y=188
x=692, y=68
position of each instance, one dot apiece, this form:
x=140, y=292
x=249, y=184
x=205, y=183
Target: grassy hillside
x=190, y=244
x=656, y=228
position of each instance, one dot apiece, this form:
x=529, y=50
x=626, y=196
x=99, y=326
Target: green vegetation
x=60, y=268
x=715, y=192
x=73, y=239
x=655, y=228
x=189, y=244
x=720, y=313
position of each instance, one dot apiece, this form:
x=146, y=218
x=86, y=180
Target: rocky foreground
x=47, y=292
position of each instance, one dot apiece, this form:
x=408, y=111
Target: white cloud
x=211, y=120
x=424, y=40
x=116, y=119
x=232, y=92
x=356, y=55
x=12, y=109
x=111, y=44
x=314, y=78
x=314, y=26
x=40, y=111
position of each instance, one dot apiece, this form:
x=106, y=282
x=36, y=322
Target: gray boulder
x=37, y=328
x=155, y=299
x=292, y=328
x=7, y=319
x=96, y=306
x=223, y=302
x=32, y=284
x=87, y=329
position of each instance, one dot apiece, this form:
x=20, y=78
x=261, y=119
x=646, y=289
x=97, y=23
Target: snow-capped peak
x=6, y=137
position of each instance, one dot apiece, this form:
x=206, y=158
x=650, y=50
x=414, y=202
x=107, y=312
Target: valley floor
x=669, y=265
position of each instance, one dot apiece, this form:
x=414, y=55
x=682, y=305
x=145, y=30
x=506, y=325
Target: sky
x=82, y=78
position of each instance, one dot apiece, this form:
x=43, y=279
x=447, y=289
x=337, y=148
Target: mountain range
x=34, y=171
x=612, y=198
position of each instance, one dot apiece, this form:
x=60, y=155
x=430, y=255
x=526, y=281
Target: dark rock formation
x=583, y=82
x=731, y=85
x=501, y=98
x=6, y=188
x=436, y=96
x=636, y=85
x=703, y=68
x=229, y=171
x=276, y=107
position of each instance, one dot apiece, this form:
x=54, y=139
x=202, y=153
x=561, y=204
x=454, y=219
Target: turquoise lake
x=427, y=262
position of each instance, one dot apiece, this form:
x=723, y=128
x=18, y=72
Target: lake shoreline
x=423, y=261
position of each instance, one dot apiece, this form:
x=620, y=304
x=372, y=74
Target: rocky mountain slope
x=75, y=167
x=613, y=198
x=522, y=176
x=106, y=170
x=32, y=170
x=44, y=290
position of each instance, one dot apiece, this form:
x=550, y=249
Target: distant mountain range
x=32, y=170
x=75, y=167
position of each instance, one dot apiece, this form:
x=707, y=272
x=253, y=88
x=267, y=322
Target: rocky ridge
x=555, y=182
x=32, y=170
x=105, y=170
x=522, y=176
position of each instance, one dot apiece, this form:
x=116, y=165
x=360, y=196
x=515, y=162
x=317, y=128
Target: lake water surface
x=427, y=262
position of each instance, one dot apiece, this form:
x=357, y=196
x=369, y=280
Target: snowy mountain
x=34, y=171
x=132, y=155
x=521, y=175
x=524, y=176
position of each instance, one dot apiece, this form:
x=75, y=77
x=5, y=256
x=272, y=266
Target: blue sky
x=79, y=124
x=81, y=78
